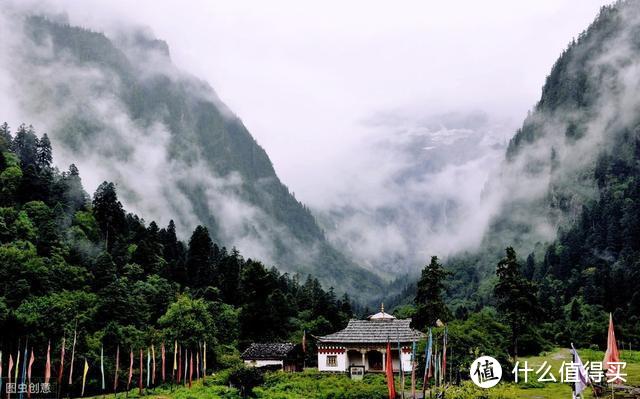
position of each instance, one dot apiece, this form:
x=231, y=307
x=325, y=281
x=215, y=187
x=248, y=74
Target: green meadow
x=312, y=384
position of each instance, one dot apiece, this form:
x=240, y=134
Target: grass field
x=536, y=390
x=314, y=385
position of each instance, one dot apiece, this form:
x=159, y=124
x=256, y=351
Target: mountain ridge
x=120, y=105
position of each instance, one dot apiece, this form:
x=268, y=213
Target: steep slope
x=570, y=183
x=120, y=109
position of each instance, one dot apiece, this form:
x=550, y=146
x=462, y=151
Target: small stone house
x=283, y=356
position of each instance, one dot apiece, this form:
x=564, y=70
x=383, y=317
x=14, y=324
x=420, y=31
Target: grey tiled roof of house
x=375, y=331
x=268, y=351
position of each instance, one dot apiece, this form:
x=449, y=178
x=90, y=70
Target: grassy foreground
x=312, y=384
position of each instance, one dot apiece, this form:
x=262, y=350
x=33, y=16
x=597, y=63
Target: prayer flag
x=61, y=371
x=389, y=372
x=413, y=370
x=130, y=369
x=427, y=367
x=141, y=372
x=612, y=355
x=204, y=361
x=198, y=366
x=190, y=368
x=148, y=367
x=583, y=376
x=9, y=371
x=31, y=360
x=47, y=367
x=304, y=341
x=153, y=370
x=102, y=365
x=15, y=376
x=23, y=380
x=84, y=375
x=186, y=367
x=162, y=354
x=444, y=354
x=73, y=354
x=179, y=364
x=115, y=375
x=175, y=357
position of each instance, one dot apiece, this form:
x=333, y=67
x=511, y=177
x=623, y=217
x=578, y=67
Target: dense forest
x=570, y=284
x=70, y=262
x=73, y=262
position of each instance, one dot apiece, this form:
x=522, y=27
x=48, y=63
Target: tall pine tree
x=429, y=303
x=515, y=296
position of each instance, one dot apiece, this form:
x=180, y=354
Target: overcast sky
x=303, y=76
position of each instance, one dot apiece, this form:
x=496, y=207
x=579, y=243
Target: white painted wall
x=341, y=362
x=343, y=365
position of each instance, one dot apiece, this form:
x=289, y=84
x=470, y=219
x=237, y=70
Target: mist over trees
x=118, y=107
x=69, y=261
x=569, y=219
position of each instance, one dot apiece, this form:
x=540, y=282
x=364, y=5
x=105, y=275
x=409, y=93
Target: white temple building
x=364, y=343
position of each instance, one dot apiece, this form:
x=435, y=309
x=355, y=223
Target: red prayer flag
x=47, y=367
x=389, y=371
x=31, y=360
x=61, y=371
x=612, y=355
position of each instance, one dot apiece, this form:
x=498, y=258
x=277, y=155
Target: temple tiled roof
x=375, y=331
x=268, y=351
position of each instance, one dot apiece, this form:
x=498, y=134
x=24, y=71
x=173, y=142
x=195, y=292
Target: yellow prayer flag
x=15, y=378
x=84, y=375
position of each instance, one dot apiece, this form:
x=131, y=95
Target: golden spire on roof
x=381, y=307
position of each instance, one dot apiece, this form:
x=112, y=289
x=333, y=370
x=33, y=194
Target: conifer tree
x=108, y=212
x=5, y=136
x=429, y=303
x=44, y=153
x=199, y=264
x=515, y=296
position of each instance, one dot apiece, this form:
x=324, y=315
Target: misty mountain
x=423, y=191
x=569, y=187
x=120, y=109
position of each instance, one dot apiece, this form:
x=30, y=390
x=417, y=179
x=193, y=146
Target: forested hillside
x=73, y=262
x=589, y=113
x=117, y=106
x=571, y=197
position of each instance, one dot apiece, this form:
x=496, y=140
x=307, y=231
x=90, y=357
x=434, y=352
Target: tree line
x=69, y=261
